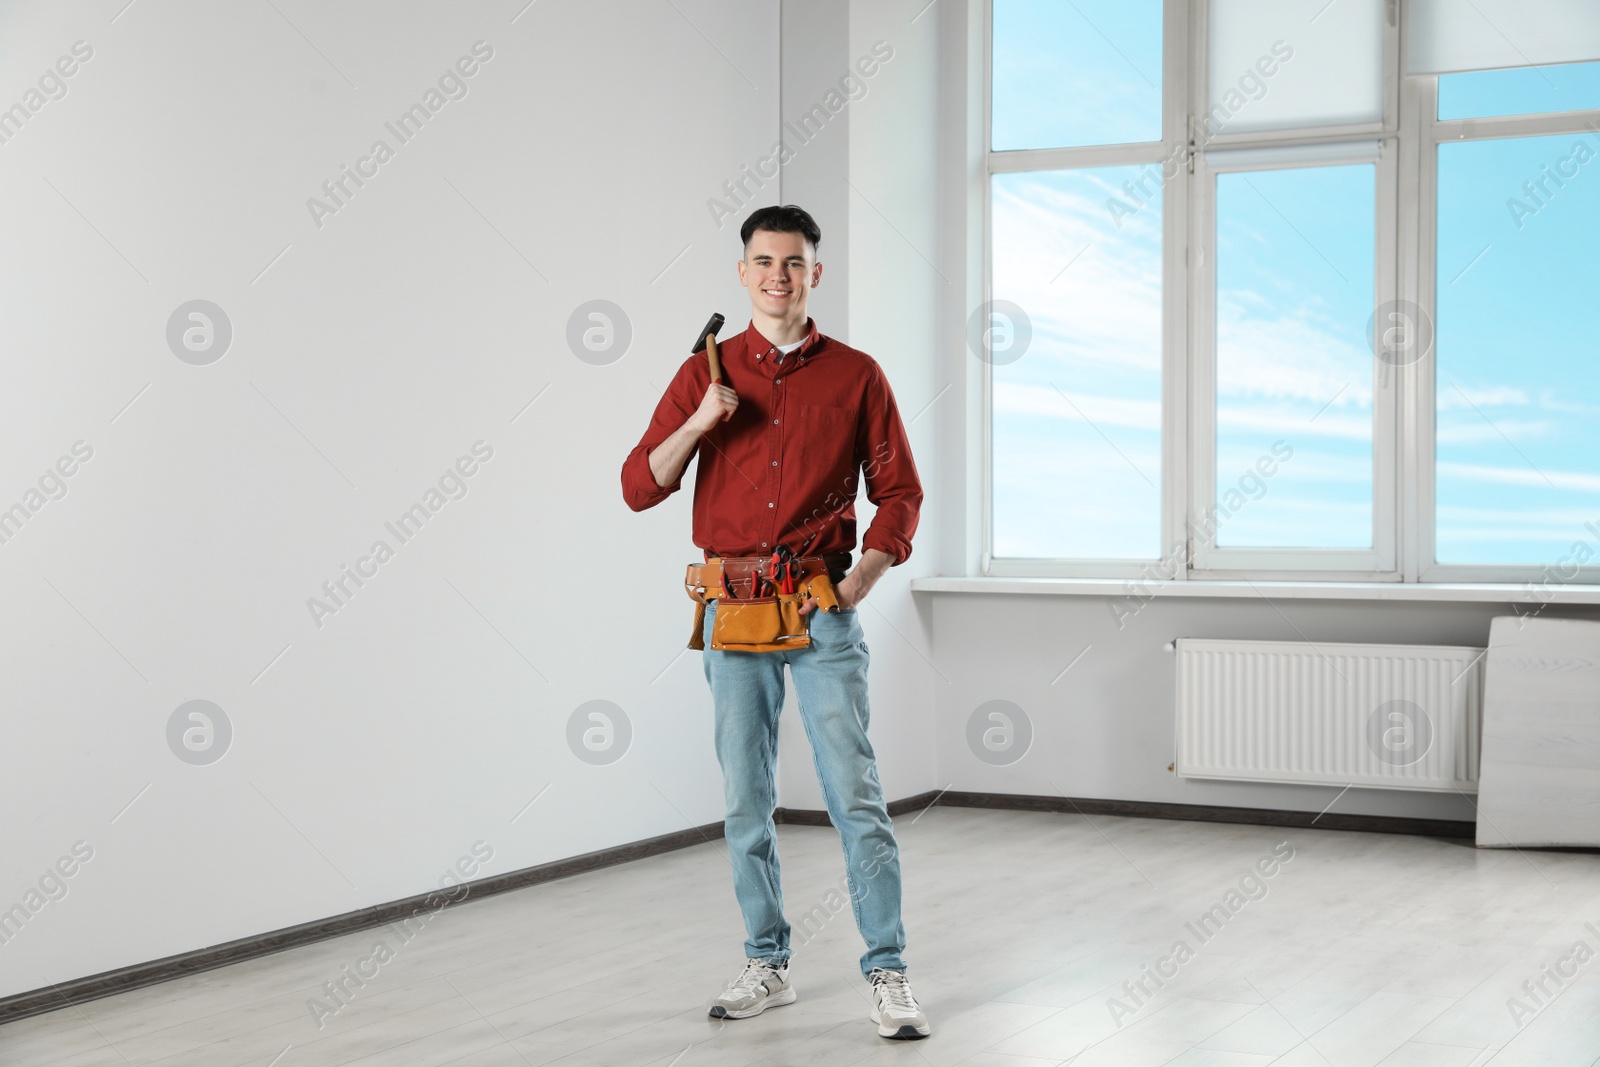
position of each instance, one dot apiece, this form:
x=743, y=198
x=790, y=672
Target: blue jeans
x=830, y=678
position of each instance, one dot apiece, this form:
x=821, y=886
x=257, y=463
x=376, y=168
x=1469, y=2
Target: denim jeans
x=830, y=678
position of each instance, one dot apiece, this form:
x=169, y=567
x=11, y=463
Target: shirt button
x=769, y=503
x=774, y=422
x=763, y=544
x=774, y=463
x=778, y=381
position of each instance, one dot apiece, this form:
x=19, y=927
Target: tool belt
x=759, y=600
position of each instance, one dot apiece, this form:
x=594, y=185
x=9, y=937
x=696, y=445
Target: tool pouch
x=754, y=623
x=764, y=624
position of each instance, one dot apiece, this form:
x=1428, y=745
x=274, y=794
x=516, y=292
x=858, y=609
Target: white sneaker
x=894, y=1009
x=759, y=987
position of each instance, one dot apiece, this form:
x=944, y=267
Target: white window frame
x=1174, y=198
x=1275, y=149
x=1424, y=101
x=1403, y=432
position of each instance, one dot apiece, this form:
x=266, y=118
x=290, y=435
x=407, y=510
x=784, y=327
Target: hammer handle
x=711, y=355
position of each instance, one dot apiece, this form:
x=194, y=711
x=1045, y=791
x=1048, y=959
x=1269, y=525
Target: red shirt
x=785, y=468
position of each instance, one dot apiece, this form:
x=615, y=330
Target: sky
x=1076, y=427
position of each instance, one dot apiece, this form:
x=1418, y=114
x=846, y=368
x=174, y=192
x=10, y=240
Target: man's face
x=780, y=270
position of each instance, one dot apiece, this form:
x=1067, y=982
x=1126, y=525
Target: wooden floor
x=1361, y=949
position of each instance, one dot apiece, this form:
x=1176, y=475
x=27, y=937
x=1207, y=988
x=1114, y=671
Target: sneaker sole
x=777, y=1000
x=906, y=1032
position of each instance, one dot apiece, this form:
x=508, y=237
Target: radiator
x=1381, y=716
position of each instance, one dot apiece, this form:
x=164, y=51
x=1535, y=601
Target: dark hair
x=789, y=218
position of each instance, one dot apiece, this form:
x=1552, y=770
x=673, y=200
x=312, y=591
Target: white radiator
x=1383, y=716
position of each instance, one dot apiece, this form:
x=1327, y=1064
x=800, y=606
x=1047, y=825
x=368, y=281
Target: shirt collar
x=763, y=349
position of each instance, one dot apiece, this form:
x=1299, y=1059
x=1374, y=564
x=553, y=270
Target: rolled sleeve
x=889, y=471
x=639, y=488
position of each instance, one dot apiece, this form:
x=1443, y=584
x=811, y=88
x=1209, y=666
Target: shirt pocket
x=823, y=418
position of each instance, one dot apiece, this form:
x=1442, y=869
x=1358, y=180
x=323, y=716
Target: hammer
x=708, y=341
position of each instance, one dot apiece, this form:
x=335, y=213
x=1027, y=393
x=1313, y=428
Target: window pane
x=1077, y=415
x=1519, y=91
x=1080, y=73
x=1279, y=64
x=1518, y=399
x=1295, y=256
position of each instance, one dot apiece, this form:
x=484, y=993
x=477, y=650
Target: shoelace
x=896, y=990
x=755, y=972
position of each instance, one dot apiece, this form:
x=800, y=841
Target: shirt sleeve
x=890, y=474
x=639, y=486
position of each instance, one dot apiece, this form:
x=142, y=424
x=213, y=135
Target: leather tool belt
x=759, y=600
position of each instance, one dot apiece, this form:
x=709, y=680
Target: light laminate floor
x=1362, y=949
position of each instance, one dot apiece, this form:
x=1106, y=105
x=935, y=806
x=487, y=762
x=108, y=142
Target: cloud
x=1293, y=424
x=1287, y=356
x=1013, y=398
x=1527, y=476
x=1455, y=396
x=1105, y=308
x=1474, y=430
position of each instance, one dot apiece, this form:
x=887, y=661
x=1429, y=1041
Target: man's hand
x=853, y=587
x=716, y=406
x=847, y=596
x=668, y=459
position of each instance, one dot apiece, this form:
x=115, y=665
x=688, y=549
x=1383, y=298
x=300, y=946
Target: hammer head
x=713, y=327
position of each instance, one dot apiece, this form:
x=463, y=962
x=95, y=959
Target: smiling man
x=798, y=420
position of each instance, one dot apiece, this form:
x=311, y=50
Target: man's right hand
x=668, y=459
x=717, y=406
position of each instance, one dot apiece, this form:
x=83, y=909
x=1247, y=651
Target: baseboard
x=1150, y=809
x=138, y=975
x=107, y=983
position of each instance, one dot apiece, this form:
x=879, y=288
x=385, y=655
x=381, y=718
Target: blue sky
x=1518, y=399
x=1077, y=418
x=1076, y=73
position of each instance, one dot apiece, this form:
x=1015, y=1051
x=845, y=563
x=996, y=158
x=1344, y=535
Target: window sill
x=1493, y=593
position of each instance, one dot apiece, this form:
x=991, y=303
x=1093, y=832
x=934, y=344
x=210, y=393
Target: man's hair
x=789, y=218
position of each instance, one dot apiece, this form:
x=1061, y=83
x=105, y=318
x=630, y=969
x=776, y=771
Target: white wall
x=369, y=753
x=1099, y=698
x=896, y=293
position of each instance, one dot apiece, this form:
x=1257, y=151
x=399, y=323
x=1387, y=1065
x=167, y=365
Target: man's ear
x=816, y=275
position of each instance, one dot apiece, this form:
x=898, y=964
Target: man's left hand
x=844, y=593
x=853, y=587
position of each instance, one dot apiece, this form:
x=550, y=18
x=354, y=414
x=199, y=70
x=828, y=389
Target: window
x=1268, y=298
x=1077, y=429
x=1517, y=402
x=1075, y=267
x=1294, y=286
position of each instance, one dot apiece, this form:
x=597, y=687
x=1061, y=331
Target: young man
x=795, y=422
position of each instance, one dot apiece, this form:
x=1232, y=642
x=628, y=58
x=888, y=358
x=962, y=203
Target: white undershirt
x=784, y=350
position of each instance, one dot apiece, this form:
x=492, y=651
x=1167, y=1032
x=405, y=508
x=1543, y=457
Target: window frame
x=1372, y=564
x=1175, y=22
x=1404, y=511
x=1431, y=133
x=1378, y=562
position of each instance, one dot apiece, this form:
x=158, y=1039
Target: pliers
x=755, y=585
x=785, y=570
